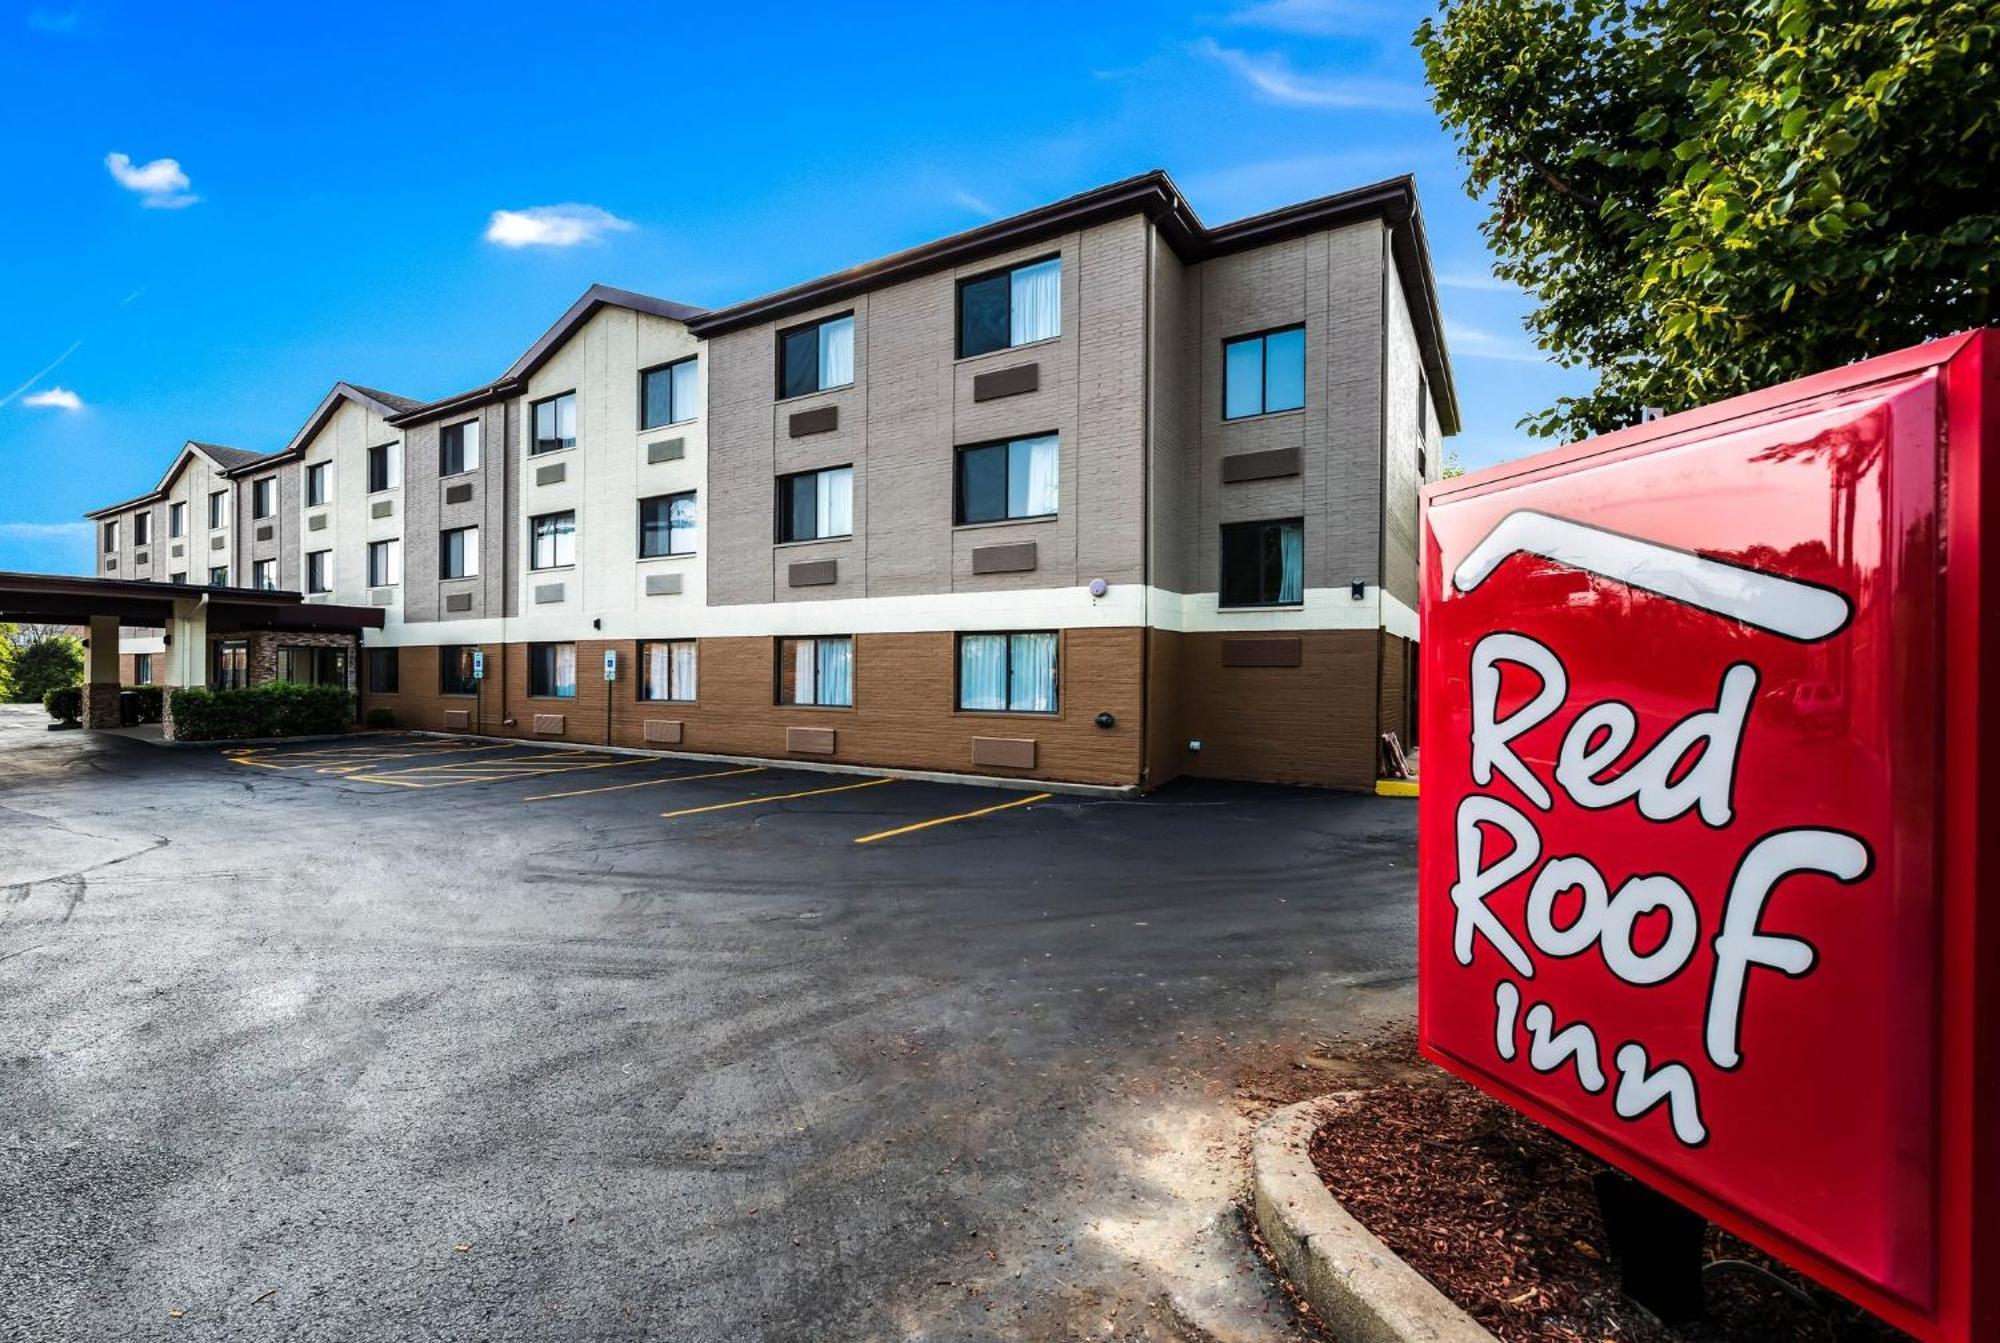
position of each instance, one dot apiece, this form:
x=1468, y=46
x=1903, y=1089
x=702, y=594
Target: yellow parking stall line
x=773, y=797
x=947, y=820
x=646, y=783
x=460, y=766
x=497, y=776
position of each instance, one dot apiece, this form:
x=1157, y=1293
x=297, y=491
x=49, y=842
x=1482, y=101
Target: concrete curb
x=1355, y=1283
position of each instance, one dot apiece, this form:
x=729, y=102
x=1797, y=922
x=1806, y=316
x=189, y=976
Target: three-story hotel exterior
x=1095, y=493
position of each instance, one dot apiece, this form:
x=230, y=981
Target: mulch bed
x=1501, y=1215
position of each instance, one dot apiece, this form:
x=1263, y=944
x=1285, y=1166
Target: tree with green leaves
x=52, y=662
x=1706, y=199
x=6, y=662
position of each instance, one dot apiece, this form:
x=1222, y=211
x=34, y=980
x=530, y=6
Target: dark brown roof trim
x=1155, y=195
x=140, y=599
x=150, y=497
x=384, y=404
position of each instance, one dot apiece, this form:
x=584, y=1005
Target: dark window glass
x=455, y=670
x=667, y=670
x=982, y=314
x=263, y=497
x=216, y=504
x=218, y=577
x=1263, y=563
x=312, y=666
x=142, y=528
x=1264, y=374
x=552, y=671
x=801, y=362
x=814, y=505
x=177, y=578
x=667, y=525
x=667, y=394
x=1018, y=306
x=318, y=579
x=384, y=670
x=317, y=475
x=385, y=564
x=458, y=448
x=381, y=467
x=814, y=358
x=142, y=669
x=816, y=672
x=177, y=515
x=458, y=552
x=232, y=665
x=264, y=574
x=555, y=424
x=1016, y=479
x=552, y=541
x=111, y=536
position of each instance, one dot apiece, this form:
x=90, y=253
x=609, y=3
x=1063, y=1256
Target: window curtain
x=683, y=660
x=1037, y=302
x=468, y=446
x=659, y=667
x=1032, y=477
x=680, y=526
x=802, y=673
x=1292, y=563
x=835, y=671
x=982, y=671
x=836, y=502
x=1034, y=673
x=684, y=391
x=836, y=353
x=565, y=669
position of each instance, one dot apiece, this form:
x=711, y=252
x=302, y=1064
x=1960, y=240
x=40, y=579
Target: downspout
x=1381, y=490
x=1146, y=515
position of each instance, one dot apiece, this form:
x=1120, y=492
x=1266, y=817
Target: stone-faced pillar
x=100, y=691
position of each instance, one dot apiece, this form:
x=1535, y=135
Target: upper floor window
x=177, y=517
x=458, y=553
x=385, y=467
x=667, y=394
x=552, y=540
x=111, y=536
x=177, y=578
x=1263, y=563
x=218, y=577
x=1010, y=307
x=319, y=571
x=1264, y=373
x=816, y=357
x=1015, y=479
x=319, y=483
x=458, y=448
x=455, y=668
x=263, y=497
x=667, y=670
x=218, y=509
x=554, y=423
x=815, y=505
x=1007, y=673
x=552, y=671
x=264, y=574
x=816, y=671
x=142, y=529
x=667, y=525
x=385, y=563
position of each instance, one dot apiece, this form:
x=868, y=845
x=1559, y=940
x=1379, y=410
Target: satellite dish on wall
x=1098, y=587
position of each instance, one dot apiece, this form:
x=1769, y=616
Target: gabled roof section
x=596, y=297
x=224, y=460
x=385, y=404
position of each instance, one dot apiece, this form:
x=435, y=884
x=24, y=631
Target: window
x=1010, y=307
x=110, y=536
x=814, y=358
x=218, y=509
x=385, y=563
x=1264, y=374
x=455, y=670
x=319, y=482
x=264, y=574
x=232, y=664
x=142, y=529
x=385, y=467
x=218, y=577
x=319, y=571
x=1263, y=563
x=814, y=505
x=142, y=669
x=264, y=497
x=552, y=541
x=177, y=578
x=667, y=670
x=384, y=671
x=666, y=525
x=555, y=424
x=552, y=671
x=816, y=671
x=1007, y=673
x=1016, y=479
x=667, y=394
x=458, y=448
x=177, y=516
x=458, y=553
x=312, y=666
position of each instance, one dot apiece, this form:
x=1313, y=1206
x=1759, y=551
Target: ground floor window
x=232, y=664
x=384, y=671
x=455, y=666
x=303, y=665
x=552, y=671
x=816, y=671
x=1011, y=673
x=142, y=669
x=667, y=670
x=1263, y=563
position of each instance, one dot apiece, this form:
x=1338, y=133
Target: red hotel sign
x=1702, y=835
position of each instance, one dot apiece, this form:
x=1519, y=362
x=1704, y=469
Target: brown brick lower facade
x=1300, y=709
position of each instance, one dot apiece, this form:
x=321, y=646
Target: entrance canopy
x=67, y=599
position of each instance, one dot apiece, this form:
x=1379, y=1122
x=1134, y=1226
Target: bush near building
x=279, y=709
x=65, y=705
x=52, y=662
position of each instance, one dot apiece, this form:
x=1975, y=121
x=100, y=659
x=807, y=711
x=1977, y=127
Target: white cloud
x=1274, y=79
x=552, y=226
x=976, y=204
x=56, y=398
x=160, y=185
x=1328, y=18
x=1477, y=343
x=1478, y=281
x=44, y=531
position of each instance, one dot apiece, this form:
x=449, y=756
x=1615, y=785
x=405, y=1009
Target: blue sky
x=329, y=202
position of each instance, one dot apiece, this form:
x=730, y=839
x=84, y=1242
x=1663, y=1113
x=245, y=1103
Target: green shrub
x=380, y=717
x=64, y=705
x=150, y=699
x=52, y=662
x=279, y=709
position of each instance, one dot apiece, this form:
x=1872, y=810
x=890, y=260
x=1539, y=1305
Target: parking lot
x=409, y=1036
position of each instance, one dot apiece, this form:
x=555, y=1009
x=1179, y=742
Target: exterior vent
x=666, y=450
x=316, y=523
x=460, y=493
x=111, y=562
x=546, y=593
x=382, y=597
x=457, y=720
x=179, y=550
x=1004, y=752
x=142, y=557
x=1006, y=382
x=458, y=601
x=217, y=542
x=549, y=724
x=813, y=574
x=552, y=473
x=1015, y=558
x=809, y=740
x=1268, y=465
x=820, y=420
x=662, y=585
x=266, y=532
x=663, y=731
x=382, y=508
x=1262, y=652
